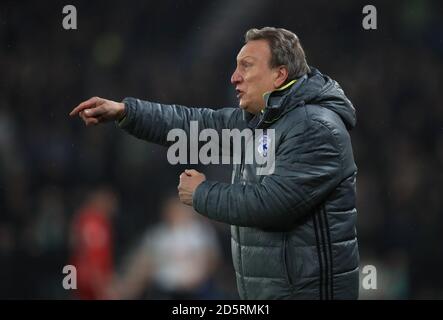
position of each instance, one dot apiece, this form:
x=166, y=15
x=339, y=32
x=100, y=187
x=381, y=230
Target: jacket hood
x=320, y=89
x=313, y=88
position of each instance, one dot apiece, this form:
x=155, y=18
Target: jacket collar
x=267, y=95
x=274, y=104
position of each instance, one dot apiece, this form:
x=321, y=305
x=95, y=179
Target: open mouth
x=239, y=93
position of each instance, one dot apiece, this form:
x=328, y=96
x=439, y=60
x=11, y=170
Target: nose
x=236, y=78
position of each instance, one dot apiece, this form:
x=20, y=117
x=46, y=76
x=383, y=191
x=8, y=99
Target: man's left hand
x=189, y=181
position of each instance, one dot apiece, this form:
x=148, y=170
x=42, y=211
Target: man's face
x=253, y=75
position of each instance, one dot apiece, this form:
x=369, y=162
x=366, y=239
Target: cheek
x=252, y=82
x=257, y=80
x=254, y=89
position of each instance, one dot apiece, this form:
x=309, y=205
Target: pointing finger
x=84, y=105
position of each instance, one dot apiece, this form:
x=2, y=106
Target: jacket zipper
x=240, y=263
x=240, y=260
x=241, y=180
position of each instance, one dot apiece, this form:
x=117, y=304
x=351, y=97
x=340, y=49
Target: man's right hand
x=98, y=110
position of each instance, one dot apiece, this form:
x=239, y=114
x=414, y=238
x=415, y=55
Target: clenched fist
x=189, y=181
x=98, y=110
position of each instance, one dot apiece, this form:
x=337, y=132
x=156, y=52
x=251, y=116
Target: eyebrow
x=246, y=57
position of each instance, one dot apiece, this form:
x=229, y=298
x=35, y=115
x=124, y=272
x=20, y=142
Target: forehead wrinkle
x=239, y=57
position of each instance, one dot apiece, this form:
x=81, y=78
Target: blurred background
x=104, y=201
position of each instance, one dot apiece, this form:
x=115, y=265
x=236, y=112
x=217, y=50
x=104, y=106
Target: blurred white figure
x=176, y=259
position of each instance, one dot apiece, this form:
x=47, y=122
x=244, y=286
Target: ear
x=280, y=76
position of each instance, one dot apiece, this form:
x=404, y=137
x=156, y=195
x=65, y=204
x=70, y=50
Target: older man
x=293, y=230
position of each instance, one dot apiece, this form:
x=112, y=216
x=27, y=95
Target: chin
x=243, y=105
x=245, y=108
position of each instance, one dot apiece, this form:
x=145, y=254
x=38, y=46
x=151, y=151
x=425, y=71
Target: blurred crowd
x=104, y=201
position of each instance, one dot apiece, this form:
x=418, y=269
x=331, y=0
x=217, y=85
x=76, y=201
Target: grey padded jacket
x=293, y=232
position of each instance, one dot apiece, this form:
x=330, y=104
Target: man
x=176, y=259
x=92, y=244
x=293, y=231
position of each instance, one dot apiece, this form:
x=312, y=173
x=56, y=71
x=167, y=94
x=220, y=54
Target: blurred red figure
x=92, y=245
